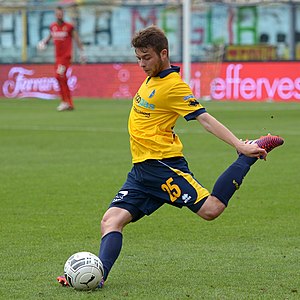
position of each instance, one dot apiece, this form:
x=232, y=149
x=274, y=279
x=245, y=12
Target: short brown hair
x=151, y=37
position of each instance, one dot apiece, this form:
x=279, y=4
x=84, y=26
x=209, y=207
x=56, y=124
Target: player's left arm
x=184, y=103
x=79, y=45
x=215, y=127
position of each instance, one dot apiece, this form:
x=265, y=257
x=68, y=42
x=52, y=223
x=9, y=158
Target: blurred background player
x=62, y=34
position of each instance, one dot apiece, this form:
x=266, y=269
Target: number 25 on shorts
x=172, y=189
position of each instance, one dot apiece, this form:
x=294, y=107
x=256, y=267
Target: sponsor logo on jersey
x=59, y=35
x=146, y=114
x=188, y=97
x=142, y=102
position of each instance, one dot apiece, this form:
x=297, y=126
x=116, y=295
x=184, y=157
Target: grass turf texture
x=59, y=172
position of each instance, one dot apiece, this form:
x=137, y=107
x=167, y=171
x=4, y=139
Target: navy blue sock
x=110, y=248
x=232, y=178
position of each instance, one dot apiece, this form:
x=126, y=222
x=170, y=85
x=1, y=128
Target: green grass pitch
x=59, y=172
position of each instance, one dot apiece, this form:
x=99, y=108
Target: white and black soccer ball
x=83, y=271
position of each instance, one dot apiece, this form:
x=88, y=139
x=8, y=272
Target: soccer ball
x=83, y=271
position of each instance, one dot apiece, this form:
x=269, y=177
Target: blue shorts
x=152, y=183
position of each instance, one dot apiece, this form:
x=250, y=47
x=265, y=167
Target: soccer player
x=62, y=34
x=160, y=174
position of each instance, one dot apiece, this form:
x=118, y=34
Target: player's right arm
x=42, y=45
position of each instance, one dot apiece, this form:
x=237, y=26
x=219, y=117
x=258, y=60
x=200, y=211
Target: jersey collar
x=166, y=72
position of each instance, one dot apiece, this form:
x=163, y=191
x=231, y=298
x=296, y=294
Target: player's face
x=151, y=62
x=59, y=14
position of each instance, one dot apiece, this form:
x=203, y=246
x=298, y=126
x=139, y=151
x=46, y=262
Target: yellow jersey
x=156, y=107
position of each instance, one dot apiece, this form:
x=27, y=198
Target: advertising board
x=240, y=81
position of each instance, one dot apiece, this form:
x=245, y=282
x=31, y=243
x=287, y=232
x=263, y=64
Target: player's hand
x=82, y=57
x=41, y=45
x=252, y=150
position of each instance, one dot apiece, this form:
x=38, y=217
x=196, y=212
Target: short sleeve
x=182, y=101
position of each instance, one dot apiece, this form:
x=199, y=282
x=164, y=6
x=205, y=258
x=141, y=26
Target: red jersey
x=62, y=38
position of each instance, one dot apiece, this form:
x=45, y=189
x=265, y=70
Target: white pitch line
x=124, y=130
x=253, y=109
x=63, y=128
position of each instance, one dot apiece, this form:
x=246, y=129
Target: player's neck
x=60, y=22
x=166, y=66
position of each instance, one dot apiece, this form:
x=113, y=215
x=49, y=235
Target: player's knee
x=107, y=224
x=115, y=219
x=211, y=209
x=210, y=215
